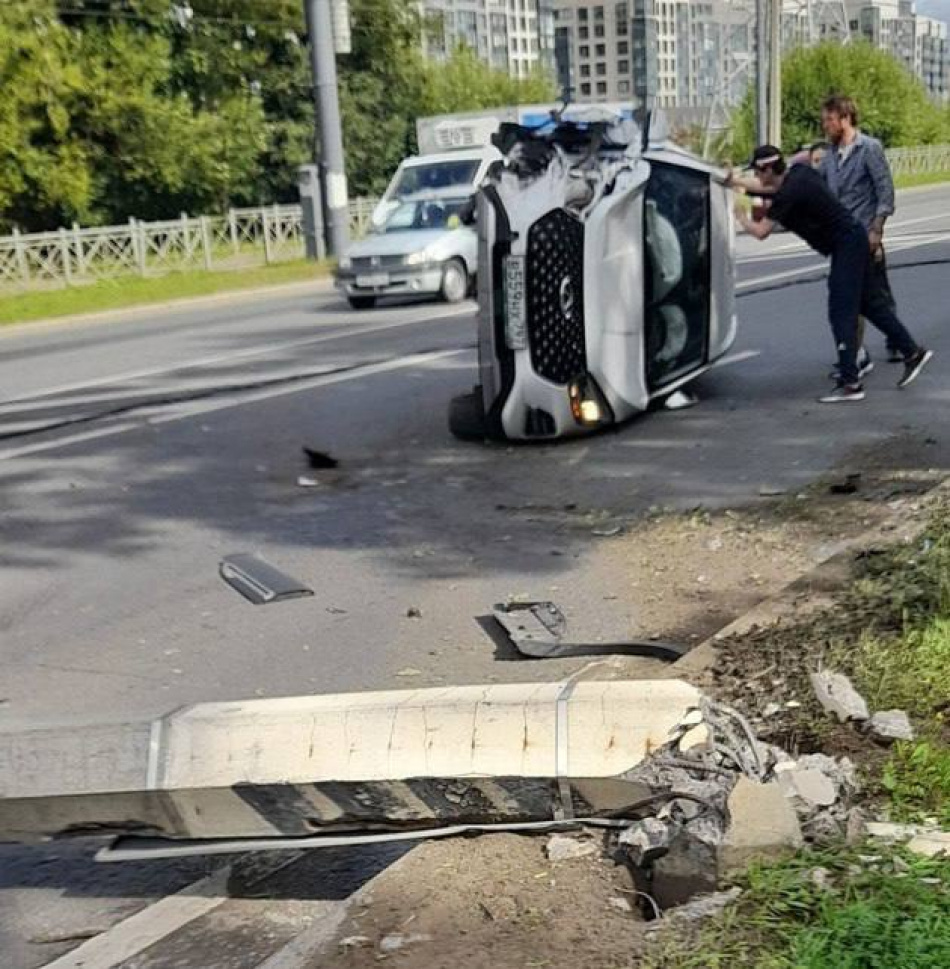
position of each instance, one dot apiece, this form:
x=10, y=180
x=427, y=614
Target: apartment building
x=919, y=43
x=515, y=36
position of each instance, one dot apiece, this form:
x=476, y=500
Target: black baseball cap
x=765, y=155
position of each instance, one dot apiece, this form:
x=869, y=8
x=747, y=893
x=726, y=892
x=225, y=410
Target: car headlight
x=344, y=262
x=588, y=405
x=417, y=258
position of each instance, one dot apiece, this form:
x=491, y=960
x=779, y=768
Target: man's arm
x=749, y=184
x=761, y=229
x=880, y=173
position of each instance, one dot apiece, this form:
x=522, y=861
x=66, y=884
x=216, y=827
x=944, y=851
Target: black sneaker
x=843, y=393
x=913, y=365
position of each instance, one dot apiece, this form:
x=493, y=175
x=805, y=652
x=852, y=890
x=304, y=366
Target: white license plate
x=514, y=303
x=373, y=279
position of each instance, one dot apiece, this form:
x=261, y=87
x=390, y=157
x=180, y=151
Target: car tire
x=467, y=416
x=362, y=302
x=454, y=281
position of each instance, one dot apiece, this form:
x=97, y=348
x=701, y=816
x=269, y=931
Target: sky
x=938, y=9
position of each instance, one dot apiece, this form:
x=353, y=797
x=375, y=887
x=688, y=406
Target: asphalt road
x=135, y=454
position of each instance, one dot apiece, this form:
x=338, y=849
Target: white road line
x=149, y=926
x=416, y=359
x=27, y=449
x=237, y=355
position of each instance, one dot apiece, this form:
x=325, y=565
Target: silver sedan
x=423, y=248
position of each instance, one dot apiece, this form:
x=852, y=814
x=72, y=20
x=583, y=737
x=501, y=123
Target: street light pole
x=761, y=71
x=327, y=105
x=775, y=74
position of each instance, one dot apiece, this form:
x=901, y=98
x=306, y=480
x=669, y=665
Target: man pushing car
x=800, y=200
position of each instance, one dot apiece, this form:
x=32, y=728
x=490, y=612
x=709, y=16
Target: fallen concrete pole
x=330, y=764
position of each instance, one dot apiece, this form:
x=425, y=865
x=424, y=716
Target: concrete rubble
x=561, y=847
x=926, y=840
x=891, y=725
x=835, y=692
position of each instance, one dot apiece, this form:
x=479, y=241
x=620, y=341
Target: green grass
x=130, y=291
x=889, y=910
x=917, y=778
x=916, y=181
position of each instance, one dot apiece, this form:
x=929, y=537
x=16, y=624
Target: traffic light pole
x=327, y=105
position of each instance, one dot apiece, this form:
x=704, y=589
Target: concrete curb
x=139, y=310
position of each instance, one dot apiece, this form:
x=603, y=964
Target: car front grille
x=375, y=264
x=554, y=273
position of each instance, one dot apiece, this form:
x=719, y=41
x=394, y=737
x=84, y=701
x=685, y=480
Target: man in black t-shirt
x=800, y=200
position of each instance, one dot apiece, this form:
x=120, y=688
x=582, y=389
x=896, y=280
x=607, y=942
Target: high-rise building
x=516, y=36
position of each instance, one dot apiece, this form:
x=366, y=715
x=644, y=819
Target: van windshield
x=444, y=174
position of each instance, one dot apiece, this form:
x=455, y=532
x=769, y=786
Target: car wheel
x=467, y=416
x=454, y=281
x=362, y=302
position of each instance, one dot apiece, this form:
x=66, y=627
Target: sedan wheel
x=454, y=282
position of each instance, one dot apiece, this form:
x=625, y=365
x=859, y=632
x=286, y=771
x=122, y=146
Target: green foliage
x=892, y=103
x=883, y=914
x=917, y=778
x=113, y=108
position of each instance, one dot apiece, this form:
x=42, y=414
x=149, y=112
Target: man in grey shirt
x=858, y=174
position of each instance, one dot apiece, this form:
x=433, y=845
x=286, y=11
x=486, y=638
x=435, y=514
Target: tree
x=893, y=104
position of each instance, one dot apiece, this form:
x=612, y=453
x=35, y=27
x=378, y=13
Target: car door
x=677, y=272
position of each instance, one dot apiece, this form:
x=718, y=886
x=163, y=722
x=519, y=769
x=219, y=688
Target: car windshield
x=430, y=175
x=423, y=214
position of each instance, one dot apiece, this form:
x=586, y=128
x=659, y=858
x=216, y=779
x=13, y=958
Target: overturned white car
x=606, y=279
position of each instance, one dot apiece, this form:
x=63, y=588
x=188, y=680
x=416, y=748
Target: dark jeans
x=855, y=288
x=881, y=286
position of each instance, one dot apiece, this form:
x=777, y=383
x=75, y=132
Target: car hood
x=396, y=243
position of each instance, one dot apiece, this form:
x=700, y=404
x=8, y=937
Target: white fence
x=919, y=161
x=242, y=238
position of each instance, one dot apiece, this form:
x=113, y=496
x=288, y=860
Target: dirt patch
x=690, y=574
x=492, y=902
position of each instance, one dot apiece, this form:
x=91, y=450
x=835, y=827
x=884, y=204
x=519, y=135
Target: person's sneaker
x=913, y=365
x=864, y=368
x=843, y=393
x=894, y=356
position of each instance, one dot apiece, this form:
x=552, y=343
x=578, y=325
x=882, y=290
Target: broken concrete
x=645, y=841
x=891, y=725
x=923, y=840
x=762, y=824
x=701, y=907
x=562, y=847
x=688, y=868
x=809, y=788
x=837, y=695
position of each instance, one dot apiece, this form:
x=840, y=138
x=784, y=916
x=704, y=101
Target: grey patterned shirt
x=861, y=180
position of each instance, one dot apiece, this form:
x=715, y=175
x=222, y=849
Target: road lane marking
x=322, y=380
x=325, y=380
x=236, y=355
x=149, y=926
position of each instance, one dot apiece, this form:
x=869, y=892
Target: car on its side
x=421, y=248
x=606, y=279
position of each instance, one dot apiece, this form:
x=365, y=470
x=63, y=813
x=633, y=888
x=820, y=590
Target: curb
x=138, y=310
